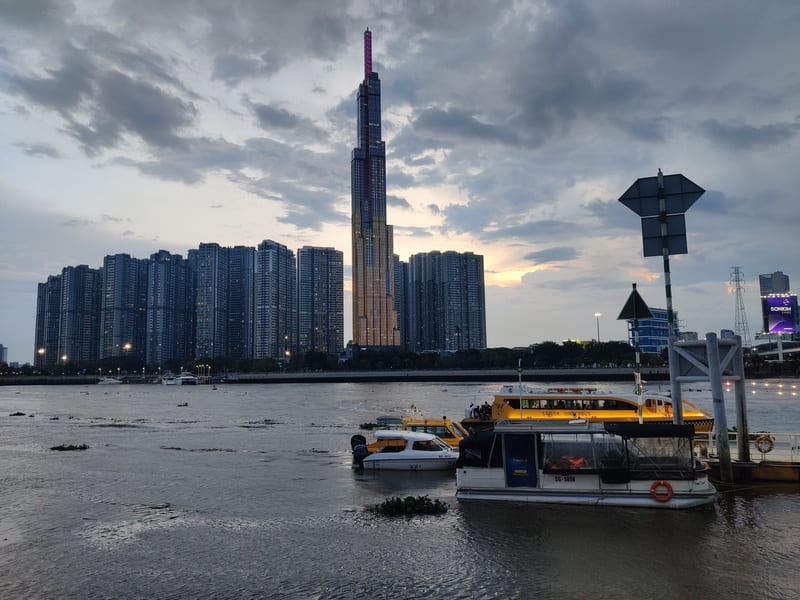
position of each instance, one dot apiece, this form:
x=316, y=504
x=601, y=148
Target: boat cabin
x=583, y=462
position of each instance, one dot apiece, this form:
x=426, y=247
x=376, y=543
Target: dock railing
x=764, y=446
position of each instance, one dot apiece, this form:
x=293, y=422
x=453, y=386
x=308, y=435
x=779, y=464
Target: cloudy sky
x=512, y=128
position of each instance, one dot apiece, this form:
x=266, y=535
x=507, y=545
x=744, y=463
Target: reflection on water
x=250, y=491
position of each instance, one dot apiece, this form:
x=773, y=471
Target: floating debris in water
x=67, y=447
x=183, y=404
x=410, y=505
x=16, y=414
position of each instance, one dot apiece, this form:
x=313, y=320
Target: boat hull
x=378, y=463
x=640, y=500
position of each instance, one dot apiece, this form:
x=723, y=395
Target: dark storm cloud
x=460, y=124
x=63, y=88
x=652, y=130
x=555, y=254
x=36, y=14
x=39, y=149
x=232, y=68
x=397, y=201
x=272, y=118
x=740, y=136
x=309, y=201
x=415, y=232
x=100, y=103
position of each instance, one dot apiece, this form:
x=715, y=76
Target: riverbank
x=389, y=375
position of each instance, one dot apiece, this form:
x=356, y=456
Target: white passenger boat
x=403, y=450
x=186, y=378
x=582, y=462
x=109, y=381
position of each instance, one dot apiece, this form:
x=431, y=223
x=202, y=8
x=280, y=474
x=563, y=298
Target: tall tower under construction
x=374, y=316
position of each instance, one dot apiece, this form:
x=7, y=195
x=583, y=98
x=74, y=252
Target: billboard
x=779, y=313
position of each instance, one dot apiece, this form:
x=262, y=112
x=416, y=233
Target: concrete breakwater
x=387, y=375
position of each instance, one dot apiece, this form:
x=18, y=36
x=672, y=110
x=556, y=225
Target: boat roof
x=397, y=434
x=625, y=430
x=508, y=390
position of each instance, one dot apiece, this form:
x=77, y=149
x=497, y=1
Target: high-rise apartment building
x=320, y=300
x=79, y=321
x=446, y=301
x=48, y=317
x=374, y=315
x=169, y=309
x=241, y=278
x=210, y=266
x=401, y=299
x=123, y=306
x=275, y=304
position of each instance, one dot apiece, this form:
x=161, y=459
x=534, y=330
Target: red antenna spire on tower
x=367, y=53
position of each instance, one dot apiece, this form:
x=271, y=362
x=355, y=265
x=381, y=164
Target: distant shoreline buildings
x=268, y=302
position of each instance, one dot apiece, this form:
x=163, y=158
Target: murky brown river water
x=249, y=492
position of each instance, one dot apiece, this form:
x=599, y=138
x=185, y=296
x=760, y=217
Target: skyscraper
x=169, y=309
x=210, y=263
x=241, y=272
x=48, y=317
x=275, y=308
x=374, y=315
x=123, y=307
x=446, y=301
x=79, y=323
x=320, y=300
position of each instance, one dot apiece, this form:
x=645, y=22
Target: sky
x=512, y=128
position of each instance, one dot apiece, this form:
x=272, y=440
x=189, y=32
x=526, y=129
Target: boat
x=186, y=378
x=449, y=431
x=583, y=462
x=518, y=401
x=109, y=381
x=404, y=451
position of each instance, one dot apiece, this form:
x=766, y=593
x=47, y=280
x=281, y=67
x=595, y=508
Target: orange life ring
x=661, y=497
x=764, y=444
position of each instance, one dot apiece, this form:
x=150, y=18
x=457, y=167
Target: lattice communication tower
x=740, y=328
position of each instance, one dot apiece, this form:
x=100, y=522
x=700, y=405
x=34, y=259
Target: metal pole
x=740, y=393
x=720, y=422
x=675, y=386
x=519, y=384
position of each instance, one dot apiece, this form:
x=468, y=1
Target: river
x=248, y=491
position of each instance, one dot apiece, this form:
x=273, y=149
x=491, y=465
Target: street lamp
x=597, y=317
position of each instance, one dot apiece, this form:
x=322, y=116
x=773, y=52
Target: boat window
x=458, y=431
x=661, y=458
x=567, y=452
x=427, y=446
x=614, y=404
x=610, y=451
x=392, y=448
x=437, y=430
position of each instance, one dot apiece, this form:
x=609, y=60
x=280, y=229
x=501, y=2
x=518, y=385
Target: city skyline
x=511, y=130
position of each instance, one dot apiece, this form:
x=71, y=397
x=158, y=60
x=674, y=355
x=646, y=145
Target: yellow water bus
x=563, y=403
